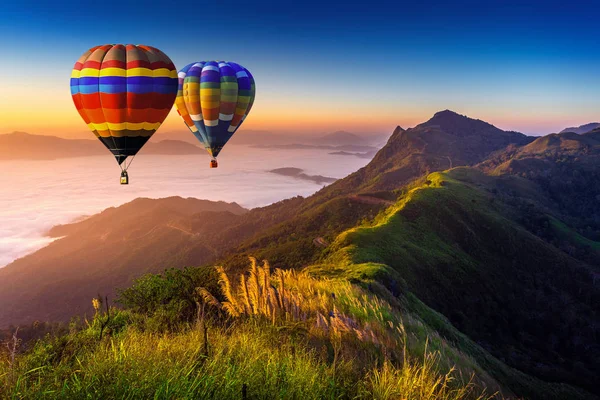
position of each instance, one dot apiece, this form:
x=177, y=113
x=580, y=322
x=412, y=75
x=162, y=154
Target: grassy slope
x=407, y=247
x=451, y=245
x=290, y=356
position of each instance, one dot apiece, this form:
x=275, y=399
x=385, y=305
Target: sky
x=324, y=66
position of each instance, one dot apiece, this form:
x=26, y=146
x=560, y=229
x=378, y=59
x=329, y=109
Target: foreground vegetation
x=263, y=335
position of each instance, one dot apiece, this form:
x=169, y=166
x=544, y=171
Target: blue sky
x=321, y=66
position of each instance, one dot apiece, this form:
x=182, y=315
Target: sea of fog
x=36, y=195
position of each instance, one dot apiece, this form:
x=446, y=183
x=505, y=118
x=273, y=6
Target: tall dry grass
x=332, y=307
x=294, y=337
x=420, y=380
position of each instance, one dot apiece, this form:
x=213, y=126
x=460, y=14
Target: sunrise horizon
x=367, y=75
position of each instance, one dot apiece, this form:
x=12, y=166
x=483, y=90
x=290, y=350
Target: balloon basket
x=214, y=164
x=124, y=178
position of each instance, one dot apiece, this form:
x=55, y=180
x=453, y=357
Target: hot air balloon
x=123, y=93
x=214, y=98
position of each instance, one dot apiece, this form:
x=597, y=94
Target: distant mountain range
x=494, y=234
x=298, y=146
x=582, y=128
x=244, y=137
x=21, y=145
x=342, y=138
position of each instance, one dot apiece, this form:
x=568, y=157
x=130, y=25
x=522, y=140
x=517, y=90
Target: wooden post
x=105, y=323
x=205, y=340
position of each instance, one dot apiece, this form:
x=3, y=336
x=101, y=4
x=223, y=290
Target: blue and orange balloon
x=214, y=98
x=124, y=93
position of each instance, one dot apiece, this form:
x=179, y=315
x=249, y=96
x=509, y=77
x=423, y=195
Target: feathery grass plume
x=273, y=302
x=253, y=286
x=419, y=380
x=281, y=290
x=245, y=294
x=208, y=298
x=96, y=303
x=291, y=296
x=322, y=322
x=231, y=305
x=266, y=275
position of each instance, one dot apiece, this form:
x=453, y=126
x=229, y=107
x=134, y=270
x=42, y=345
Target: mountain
x=268, y=139
x=242, y=137
x=447, y=140
x=299, y=174
x=368, y=155
x=341, y=138
x=267, y=231
x=494, y=255
x=180, y=135
x=298, y=146
x=582, y=128
x=171, y=148
x=21, y=145
x=497, y=255
x=103, y=252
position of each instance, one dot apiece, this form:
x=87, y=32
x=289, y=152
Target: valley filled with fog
x=37, y=195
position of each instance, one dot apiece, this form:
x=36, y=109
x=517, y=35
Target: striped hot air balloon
x=214, y=98
x=123, y=93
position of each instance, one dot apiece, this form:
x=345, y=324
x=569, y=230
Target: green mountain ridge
x=453, y=246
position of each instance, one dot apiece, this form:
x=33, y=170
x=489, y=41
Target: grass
x=145, y=365
x=315, y=338
x=447, y=245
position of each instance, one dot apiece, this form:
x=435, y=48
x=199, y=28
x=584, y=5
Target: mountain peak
x=448, y=113
x=460, y=125
x=447, y=117
x=398, y=130
x=339, y=138
x=19, y=133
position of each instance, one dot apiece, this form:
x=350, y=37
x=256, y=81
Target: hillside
x=582, y=128
x=477, y=258
x=447, y=140
x=407, y=157
x=101, y=253
x=316, y=337
x=21, y=145
x=565, y=167
x=416, y=255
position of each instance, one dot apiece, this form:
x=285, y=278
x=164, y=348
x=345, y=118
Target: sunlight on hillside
x=262, y=335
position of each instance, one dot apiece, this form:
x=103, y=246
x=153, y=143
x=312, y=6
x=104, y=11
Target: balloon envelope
x=123, y=93
x=214, y=98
